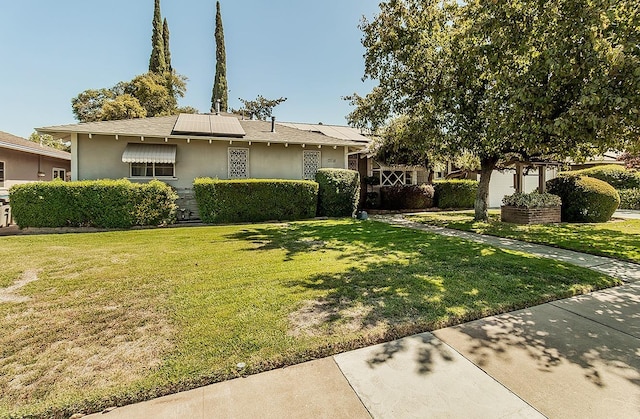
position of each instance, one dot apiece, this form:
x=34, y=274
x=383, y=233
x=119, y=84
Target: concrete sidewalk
x=573, y=358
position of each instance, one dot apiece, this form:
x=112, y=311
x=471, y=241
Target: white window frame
x=3, y=169
x=229, y=162
x=308, y=153
x=59, y=169
x=153, y=171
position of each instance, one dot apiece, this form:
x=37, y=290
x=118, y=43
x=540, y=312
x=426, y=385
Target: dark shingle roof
x=162, y=127
x=12, y=142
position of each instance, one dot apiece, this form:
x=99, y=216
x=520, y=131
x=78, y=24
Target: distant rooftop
x=12, y=142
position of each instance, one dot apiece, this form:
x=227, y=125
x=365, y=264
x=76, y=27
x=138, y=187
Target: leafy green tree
x=122, y=107
x=220, y=88
x=49, y=141
x=157, y=93
x=187, y=109
x=525, y=78
x=165, y=41
x=157, y=61
x=260, y=108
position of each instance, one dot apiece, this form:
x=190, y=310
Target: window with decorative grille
x=310, y=164
x=238, y=163
x=353, y=162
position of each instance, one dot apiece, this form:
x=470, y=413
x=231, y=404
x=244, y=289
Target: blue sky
x=307, y=51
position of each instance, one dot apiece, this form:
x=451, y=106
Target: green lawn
x=618, y=239
x=120, y=317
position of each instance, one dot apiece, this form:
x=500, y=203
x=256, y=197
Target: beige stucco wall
x=101, y=157
x=22, y=167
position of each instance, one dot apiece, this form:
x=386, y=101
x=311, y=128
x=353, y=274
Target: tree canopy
x=260, y=108
x=49, y=141
x=149, y=94
x=520, y=79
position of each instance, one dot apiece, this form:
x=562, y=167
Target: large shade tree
x=524, y=79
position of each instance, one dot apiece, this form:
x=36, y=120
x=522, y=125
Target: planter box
x=519, y=215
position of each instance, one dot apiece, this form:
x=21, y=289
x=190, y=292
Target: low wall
x=518, y=215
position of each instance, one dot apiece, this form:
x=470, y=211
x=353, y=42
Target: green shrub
x=584, y=199
x=339, y=192
x=457, y=193
x=407, y=196
x=532, y=200
x=630, y=198
x=253, y=200
x=100, y=203
x=614, y=175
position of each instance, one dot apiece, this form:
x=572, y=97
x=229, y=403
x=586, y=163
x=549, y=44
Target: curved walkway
x=573, y=358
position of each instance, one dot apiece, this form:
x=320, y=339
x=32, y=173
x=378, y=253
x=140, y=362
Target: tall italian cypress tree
x=220, y=82
x=165, y=39
x=157, y=62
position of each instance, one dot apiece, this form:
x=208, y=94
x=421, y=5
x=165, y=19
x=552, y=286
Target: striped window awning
x=149, y=153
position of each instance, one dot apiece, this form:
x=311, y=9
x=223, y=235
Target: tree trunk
x=487, y=165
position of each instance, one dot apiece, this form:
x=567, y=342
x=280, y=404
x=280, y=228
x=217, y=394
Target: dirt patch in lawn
x=52, y=347
x=8, y=295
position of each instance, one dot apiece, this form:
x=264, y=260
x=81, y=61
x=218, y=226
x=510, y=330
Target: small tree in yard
x=503, y=80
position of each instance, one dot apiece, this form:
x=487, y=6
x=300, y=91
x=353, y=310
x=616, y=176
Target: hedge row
x=614, y=175
x=584, y=199
x=457, y=193
x=406, y=197
x=630, y=198
x=99, y=203
x=252, y=200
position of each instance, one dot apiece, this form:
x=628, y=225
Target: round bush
x=584, y=199
x=338, y=193
x=614, y=175
x=630, y=198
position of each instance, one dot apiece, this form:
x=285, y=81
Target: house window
x=238, y=163
x=311, y=161
x=353, y=162
x=150, y=160
x=59, y=173
x=152, y=170
x=1, y=173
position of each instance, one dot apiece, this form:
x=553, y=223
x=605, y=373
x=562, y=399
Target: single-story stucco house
x=179, y=148
x=23, y=161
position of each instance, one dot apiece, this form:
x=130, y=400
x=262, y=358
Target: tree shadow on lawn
x=408, y=282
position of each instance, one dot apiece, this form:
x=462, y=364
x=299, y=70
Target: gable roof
x=12, y=142
x=164, y=127
x=335, y=131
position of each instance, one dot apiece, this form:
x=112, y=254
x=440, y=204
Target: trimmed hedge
x=630, y=198
x=98, y=203
x=407, y=197
x=584, y=199
x=456, y=193
x=253, y=200
x=532, y=200
x=614, y=175
x=339, y=192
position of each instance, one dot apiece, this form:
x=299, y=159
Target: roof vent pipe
x=218, y=107
x=273, y=124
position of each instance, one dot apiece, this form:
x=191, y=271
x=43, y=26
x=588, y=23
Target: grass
x=118, y=317
x=619, y=239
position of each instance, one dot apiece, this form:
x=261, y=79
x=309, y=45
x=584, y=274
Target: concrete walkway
x=573, y=358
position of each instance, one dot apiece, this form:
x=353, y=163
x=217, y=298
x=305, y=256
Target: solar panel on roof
x=208, y=125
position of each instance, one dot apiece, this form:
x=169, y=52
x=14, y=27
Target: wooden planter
x=519, y=215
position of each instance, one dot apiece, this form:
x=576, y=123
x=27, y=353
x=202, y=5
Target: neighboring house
x=177, y=149
x=23, y=161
